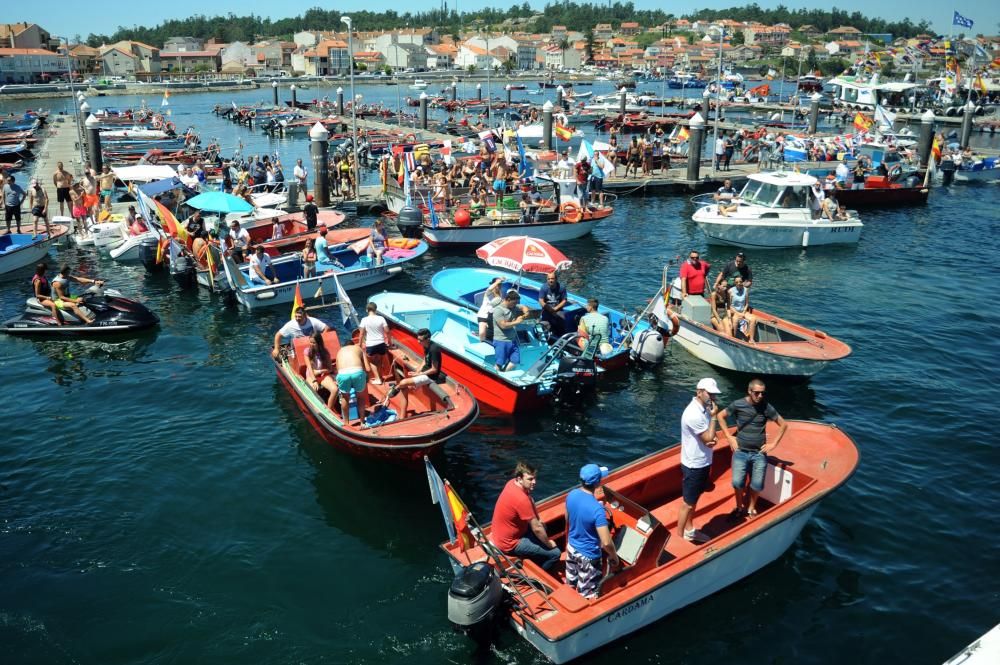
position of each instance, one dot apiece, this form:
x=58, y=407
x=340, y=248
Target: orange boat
x=439, y=411
x=661, y=572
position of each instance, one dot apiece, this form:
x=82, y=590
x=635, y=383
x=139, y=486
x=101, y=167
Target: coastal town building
x=190, y=62
x=30, y=65
x=183, y=45
x=26, y=35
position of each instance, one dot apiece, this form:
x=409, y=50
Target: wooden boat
x=466, y=286
x=661, y=572
x=473, y=363
x=18, y=250
x=353, y=270
x=774, y=213
x=440, y=411
x=882, y=192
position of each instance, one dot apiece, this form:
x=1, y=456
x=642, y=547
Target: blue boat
x=533, y=383
x=351, y=269
x=466, y=286
x=18, y=250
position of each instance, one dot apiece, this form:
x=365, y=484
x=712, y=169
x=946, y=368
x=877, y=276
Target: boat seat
x=299, y=345
x=483, y=351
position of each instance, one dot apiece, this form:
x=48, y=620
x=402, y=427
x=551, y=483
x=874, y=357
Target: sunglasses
x=758, y=393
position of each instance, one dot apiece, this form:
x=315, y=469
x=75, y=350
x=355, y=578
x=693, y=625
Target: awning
x=151, y=189
x=143, y=172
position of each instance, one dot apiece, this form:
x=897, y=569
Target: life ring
x=571, y=212
x=409, y=138
x=252, y=114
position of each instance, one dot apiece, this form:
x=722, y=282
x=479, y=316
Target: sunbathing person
x=720, y=302
x=318, y=368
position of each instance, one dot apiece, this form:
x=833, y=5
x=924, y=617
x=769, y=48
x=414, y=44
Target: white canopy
x=143, y=172
x=784, y=178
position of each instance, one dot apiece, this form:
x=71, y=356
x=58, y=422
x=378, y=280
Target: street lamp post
x=346, y=20
x=72, y=92
x=718, y=95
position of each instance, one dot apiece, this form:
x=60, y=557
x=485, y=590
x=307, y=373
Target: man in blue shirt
x=588, y=534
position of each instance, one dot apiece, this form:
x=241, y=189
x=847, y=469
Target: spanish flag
x=564, y=133
x=683, y=134
x=936, y=148
x=173, y=226
x=862, y=123
x=297, y=301
x=460, y=515
x=980, y=83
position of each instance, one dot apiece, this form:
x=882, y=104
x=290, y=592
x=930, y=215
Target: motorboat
x=435, y=411
x=418, y=84
x=774, y=212
x=660, y=572
x=978, y=169
x=353, y=269
x=537, y=380
x=466, y=286
x=564, y=217
x=779, y=347
x=879, y=191
x=111, y=313
x=681, y=81
x=18, y=250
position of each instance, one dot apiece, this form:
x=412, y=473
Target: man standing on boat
x=750, y=446
x=505, y=323
x=516, y=528
x=375, y=339
x=698, y=429
x=693, y=275
x=738, y=266
x=588, y=535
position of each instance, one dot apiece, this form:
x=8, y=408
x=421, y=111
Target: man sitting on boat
x=593, y=325
x=261, y=271
x=552, y=297
x=698, y=430
x=505, y=323
x=516, y=528
x=239, y=241
x=301, y=325
x=750, y=446
x=352, y=376
x=429, y=372
x=726, y=198
x=588, y=535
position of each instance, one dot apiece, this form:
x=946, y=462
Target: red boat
x=882, y=192
x=661, y=572
x=440, y=411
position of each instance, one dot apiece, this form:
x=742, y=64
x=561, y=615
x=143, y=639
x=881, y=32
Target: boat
x=809, y=83
x=681, y=80
x=881, y=191
x=353, y=271
x=985, y=169
x=983, y=651
x=441, y=410
x=564, y=219
x=418, y=84
x=774, y=213
x=18, y=250
x=473, y=363
x=661, y=572
x=779, y=347
x=466, y=286
x=112, y=313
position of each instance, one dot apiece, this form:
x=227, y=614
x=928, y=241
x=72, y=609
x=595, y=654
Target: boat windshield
x=761, y=193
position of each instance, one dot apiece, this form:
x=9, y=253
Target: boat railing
x=520, y=584
x=703, y=199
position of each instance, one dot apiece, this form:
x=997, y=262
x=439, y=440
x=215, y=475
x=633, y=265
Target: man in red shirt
x=516, y=529
x=582, y=179
x=693, y=274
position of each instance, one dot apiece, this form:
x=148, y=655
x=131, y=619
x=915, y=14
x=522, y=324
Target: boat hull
x=129, y=249
x=24, y=254
x=480, y=235
x=882, y=197
x=715, y=574
x=766, y=235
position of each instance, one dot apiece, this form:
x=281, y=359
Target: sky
x=64, y=17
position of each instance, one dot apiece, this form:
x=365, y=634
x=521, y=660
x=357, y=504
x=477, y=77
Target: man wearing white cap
x=588, y=534
x=698, y=428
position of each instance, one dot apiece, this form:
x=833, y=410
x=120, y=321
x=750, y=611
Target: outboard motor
x=648, y=347
x=184, y=272
x=147, y=254
x=948, y=168
x=474, y=597
x=410, y=222
x=576, y=377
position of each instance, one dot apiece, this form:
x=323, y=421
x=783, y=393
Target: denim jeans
x=757, y=461
x=530, y=547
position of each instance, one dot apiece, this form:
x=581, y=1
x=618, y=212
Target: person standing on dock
x=698, y=430
x=63, y=180
x=302, y=177
x=13, y=196
x=720, y=152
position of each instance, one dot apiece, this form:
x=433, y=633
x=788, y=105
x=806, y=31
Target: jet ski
x=111, y=313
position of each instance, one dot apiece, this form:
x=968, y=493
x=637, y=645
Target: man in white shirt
x=375, y=339
x=698, y=428
x=261, y=270
x=565, y=165
x=300, y=326
x=301, y=176
x=720, y=151
x=240, y=241
x=842, y=173
x=189, y=179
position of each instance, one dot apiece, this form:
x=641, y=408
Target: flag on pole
x=961, y=21
x=406, y=182
x=166, y=96
x=440, y=497
x=297, y=301
x=564, y=133
x=460, y=517
x=683, y=134
x=862, y=123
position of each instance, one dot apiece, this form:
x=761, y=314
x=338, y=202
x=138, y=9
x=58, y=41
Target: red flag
x=564, y=133
x=297, y=302
x=460, y=514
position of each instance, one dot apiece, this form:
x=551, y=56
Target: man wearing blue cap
x=698, y=428
x=588, y=534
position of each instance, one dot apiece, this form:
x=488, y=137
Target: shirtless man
x=63, y=180
x=107, y=179
x=90, y=199
x=352, y=374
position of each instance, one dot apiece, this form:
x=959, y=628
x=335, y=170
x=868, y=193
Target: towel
x=381, y=416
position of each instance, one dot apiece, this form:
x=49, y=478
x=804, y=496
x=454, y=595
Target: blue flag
x=430, y=208
x=961, y=21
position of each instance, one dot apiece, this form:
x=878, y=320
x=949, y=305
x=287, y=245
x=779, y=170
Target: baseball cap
x=309, y=197
x=591, y=474
x=710, y=385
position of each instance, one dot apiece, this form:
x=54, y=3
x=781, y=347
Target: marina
x=189, y=497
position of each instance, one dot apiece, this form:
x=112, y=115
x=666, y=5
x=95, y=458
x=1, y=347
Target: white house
x=29, y=65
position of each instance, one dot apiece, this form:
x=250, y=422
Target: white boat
x=985, y=650
x=18, y=250
x=774, y=213
x=418, y=84
x=133, y=133
x=537, y=130
x=779, y=348
x=128, y=249
x=978, y=170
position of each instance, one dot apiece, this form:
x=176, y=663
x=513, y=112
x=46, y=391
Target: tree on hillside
x=738, y=38
x=588, y=37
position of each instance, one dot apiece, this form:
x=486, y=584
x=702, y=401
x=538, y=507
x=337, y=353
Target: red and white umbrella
x=521, y=253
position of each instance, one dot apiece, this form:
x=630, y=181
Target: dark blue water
x=162, y=501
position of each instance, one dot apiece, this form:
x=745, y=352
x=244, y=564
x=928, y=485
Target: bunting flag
x=884, y=118
x=297, y=301
x=460, y=517
x=524, y=169
x=862, y=123
x=347, y=310
x=406, y=183
x=564, y=133
x=433, y=213
x=980, y=83
x=489, y=139
x=936, y=148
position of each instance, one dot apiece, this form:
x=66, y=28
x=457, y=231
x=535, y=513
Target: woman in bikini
x=319, y=369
